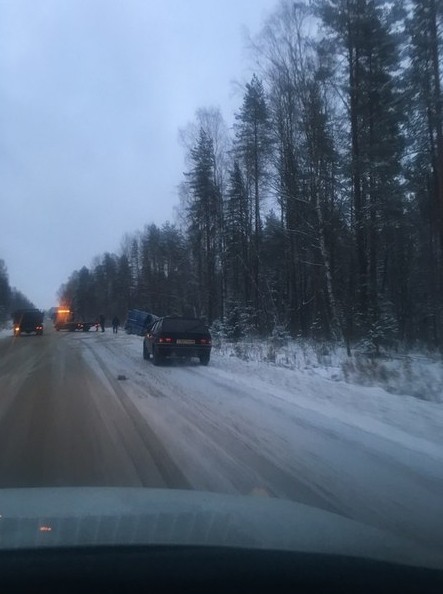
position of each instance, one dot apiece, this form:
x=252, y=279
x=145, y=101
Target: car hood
x=62, y=517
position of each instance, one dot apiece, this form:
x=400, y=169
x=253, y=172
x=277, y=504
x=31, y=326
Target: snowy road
x=232, y=427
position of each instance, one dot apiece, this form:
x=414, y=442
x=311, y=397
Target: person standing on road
x=102, y=322
x=115, y=324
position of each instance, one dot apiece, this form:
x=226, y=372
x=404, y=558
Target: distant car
x=177, y=337
x=27, y=320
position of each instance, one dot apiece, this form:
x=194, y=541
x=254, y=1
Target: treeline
x=10, y=298
x=321, y=210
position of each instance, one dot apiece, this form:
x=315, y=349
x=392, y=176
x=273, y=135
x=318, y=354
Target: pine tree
x=238, y=238
x=252, y=148
x=425, y=171
x=203, y=222
x=5, y=292
x=363, y=32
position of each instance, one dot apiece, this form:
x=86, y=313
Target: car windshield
x=230, y=216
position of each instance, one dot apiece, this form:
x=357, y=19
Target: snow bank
x=4, y=332
x=288, y=426
x=312, y=379
x=415, y=374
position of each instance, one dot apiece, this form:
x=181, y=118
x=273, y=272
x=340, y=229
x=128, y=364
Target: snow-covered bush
x=413, y=375
x=418, y=374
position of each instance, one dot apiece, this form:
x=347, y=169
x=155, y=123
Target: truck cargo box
x=138, y=321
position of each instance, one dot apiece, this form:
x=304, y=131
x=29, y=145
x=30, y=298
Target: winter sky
x=92, y=95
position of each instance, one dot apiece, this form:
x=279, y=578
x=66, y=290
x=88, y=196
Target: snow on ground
x=411, y=373
x=417, y=374
x=323, y=389
x=251, y=426
x=6, y=330
x=313, y=377
x=289, y=427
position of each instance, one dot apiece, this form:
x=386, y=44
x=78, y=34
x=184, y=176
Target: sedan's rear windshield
x=184, y=325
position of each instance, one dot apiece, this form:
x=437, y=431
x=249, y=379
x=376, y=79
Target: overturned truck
x=138, y=321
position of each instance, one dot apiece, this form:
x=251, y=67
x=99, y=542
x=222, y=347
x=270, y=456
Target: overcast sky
x=92, y=94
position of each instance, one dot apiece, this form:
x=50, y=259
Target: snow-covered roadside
x=404, y=419
x=312, y=376
x=412, y=374
x=314, y=381
x=4, y=332
x=248, y=426
x=254, y=427
x=414, y=423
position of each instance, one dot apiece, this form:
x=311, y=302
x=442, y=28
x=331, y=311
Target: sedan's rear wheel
x=204, y=359
x=156, y=358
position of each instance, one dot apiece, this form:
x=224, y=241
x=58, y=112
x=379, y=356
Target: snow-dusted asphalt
x=86, y=408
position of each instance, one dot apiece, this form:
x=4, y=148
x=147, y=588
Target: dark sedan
x=177, y=337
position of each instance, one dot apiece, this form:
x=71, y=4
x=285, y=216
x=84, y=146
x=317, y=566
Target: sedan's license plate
x=185, y=341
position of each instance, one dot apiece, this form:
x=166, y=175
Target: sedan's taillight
x=165, y=339
x=205, y=341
